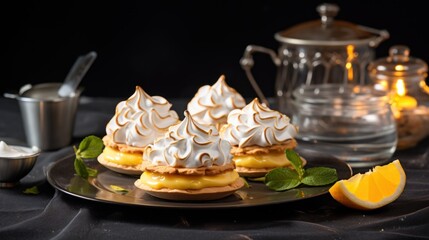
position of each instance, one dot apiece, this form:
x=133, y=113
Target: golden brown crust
x=201, y=171
x=108, y=141
x=251, y=150
x=210, y=193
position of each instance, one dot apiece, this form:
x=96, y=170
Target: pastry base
x=204, y=194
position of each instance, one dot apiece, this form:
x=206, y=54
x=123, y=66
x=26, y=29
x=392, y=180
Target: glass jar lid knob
x=327, y=13
x=399, y=53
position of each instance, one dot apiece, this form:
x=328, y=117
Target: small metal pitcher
x=317, y=52
x=48, y=119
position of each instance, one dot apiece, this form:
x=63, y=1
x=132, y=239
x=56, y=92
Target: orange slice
x=373, y=189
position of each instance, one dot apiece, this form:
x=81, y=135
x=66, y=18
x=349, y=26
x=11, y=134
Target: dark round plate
x=116, y=188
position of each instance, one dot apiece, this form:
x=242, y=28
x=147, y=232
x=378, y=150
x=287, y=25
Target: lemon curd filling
x=122, y=158
x=158, y=181
x=269, y=160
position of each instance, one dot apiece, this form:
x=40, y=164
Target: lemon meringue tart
x=190, y=163
x=137, y=122
x=259, y=137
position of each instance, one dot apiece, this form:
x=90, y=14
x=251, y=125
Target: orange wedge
x=373, y=189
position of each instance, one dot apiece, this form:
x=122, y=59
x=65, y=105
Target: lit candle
x=404, y=102
x=401, y=100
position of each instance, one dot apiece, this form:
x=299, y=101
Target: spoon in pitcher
x=76, y=73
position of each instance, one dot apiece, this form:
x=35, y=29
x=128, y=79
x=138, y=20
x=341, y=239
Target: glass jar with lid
x=352, y=123
x=404, y=77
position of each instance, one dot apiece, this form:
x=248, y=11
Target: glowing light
x=382, y=85
x=405, y=102
x=350, y=58
x=399, y=67
x=423, y=86
x=400, y=87
x=401, y=100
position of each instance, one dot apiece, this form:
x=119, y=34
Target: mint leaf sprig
x=34, y=190
x=282, y=179
x=90, y=147
x=119, y=189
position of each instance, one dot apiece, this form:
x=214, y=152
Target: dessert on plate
x=137, y=122
x=191, y=162
x=259, y=137
x=212, y=104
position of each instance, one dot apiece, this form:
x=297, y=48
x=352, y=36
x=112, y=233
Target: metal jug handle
x=247, y=63
x=382, y=35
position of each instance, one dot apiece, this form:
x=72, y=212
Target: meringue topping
x=212, y=104
x=189, y=144
x=257, y=124
x=140, y=119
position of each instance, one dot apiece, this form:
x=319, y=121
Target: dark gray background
x=171, y=48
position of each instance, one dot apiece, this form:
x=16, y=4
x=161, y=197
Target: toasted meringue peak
x=211, y=104
x=257, y=125
x=189, y=144
x=141, y=119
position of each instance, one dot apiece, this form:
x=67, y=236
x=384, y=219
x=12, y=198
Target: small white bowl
x=13, y=169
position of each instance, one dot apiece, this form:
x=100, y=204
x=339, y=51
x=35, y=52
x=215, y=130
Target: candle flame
x=400, y=87
x=402, y=101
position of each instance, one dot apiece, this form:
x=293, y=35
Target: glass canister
x=352, y=123
x=404, y=77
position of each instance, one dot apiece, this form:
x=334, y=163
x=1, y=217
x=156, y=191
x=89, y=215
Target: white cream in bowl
x=16, y=151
